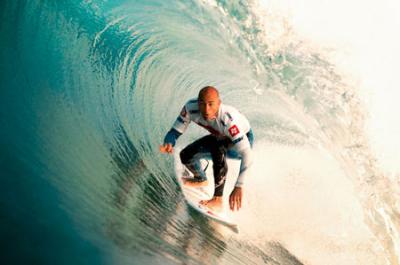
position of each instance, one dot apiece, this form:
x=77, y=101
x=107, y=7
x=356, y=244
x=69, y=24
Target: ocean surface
x=88, y=90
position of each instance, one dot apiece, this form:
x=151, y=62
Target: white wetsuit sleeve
x=246, y=154
x=182, y=121
x=242, y=146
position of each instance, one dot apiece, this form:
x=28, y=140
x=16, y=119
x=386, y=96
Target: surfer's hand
x=166, y=148
x=235, y=199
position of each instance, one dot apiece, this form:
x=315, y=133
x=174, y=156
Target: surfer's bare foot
x=194, y=183
x=214, y=204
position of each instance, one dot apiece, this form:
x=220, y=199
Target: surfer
x=230, y=136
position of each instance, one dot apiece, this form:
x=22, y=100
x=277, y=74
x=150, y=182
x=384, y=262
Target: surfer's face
x=209, y=103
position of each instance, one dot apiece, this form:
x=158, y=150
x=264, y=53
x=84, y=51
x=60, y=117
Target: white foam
x=301, y=198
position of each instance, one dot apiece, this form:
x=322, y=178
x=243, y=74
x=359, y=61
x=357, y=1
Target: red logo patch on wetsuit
x=233, y=131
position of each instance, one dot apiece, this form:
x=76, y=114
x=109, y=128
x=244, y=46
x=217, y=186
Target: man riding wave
x=230, y=136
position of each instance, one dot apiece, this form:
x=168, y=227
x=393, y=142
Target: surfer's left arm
x=244, y=150
x=247, y=159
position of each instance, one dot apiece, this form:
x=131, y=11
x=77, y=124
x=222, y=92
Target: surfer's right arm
x=179, y=127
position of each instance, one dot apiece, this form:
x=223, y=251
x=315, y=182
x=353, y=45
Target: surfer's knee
x=218, y=155
x=185, y=156
x=220, y=168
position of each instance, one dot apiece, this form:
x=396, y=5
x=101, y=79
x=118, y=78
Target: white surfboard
x=193, y=196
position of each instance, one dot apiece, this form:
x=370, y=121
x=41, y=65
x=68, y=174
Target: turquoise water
x=88, y=90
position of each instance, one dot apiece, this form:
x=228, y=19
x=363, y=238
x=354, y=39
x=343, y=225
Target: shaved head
x=208, y=91
x=209, y=102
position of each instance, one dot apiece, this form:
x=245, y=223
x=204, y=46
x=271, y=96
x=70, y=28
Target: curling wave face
x=88, y=90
